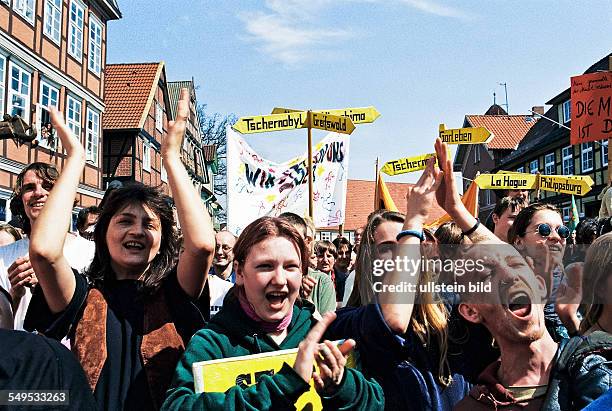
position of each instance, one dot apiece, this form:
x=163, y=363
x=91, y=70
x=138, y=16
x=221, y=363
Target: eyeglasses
x=545, y=230
x=226, y=248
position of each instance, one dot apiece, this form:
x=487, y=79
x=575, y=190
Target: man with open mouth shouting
x=533, y=371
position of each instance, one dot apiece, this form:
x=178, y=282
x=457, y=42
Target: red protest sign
x=591, y=95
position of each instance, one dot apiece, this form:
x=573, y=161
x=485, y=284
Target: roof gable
x=508, y=130
x=129, y=90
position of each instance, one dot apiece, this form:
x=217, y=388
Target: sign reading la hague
x=506, y=181
x=258, y=187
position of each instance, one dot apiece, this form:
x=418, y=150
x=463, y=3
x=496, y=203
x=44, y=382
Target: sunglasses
x=545, y=230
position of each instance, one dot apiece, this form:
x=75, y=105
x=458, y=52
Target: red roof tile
x=128, y=92
x=360, y=201
x=509, y=130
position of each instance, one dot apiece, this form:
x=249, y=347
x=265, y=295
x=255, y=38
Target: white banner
x=257, y=187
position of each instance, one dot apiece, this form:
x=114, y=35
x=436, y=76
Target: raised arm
x=196, y=225
x=49, y=230
x=448, y=198
x=396, y=307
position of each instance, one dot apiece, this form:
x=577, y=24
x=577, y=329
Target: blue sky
x=419, y=62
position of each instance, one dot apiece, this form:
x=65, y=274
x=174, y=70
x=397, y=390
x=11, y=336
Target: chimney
x=538, y=109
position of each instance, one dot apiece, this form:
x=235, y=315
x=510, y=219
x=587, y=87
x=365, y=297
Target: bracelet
x=471, y=230
x=414, y=233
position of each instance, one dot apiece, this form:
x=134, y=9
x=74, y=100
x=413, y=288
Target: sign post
x=338, y=120
x=310, y=181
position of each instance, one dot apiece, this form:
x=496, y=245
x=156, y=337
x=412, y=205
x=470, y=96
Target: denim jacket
x=582, y=372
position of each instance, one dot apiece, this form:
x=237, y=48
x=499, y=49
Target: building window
x=533, y=167
x=19, y=93
x=604, y=152
x=2, y=87
x=164, y=174
x=53, y=20
x=146, y=156
x=549, y=163
x=73, y=116
x=25, y=8
x=476, y=154
x=487, y=197
x=566, y=214
x=568, y=161
x=95, y=44
x=4, y=210
x=93, y=136
x=567, y=111
x=75, y=29
x=49, y=97
x=159, y=117
x=520, y=170
x=587, y=156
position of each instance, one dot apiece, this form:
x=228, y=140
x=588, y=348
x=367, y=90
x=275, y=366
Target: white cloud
x=432, y=7
x=284, y=34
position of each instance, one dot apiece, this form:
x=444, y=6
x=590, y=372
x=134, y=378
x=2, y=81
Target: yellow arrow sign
x=565, y=184
x=468, y=135
x=329, y=122
x=273, y=122
x=583, y=181
x=506, y=181
x=358, y=115
x=406, y=165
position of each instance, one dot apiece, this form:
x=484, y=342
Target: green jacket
x=231, y=333
x=323, y=294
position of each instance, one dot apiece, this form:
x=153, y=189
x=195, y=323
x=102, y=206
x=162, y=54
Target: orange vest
x=161, y=346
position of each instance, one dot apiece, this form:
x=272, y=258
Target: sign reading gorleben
x=467, y=135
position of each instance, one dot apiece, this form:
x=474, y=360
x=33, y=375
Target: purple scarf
x=266, y=326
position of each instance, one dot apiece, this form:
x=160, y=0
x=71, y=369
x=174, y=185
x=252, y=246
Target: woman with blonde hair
x=402, y=334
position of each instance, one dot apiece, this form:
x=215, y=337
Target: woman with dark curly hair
x=130, y=318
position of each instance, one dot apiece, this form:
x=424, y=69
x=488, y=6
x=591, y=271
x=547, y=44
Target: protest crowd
x=121, y=314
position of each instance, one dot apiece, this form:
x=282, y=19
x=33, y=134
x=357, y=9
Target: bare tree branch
x=213, y=132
